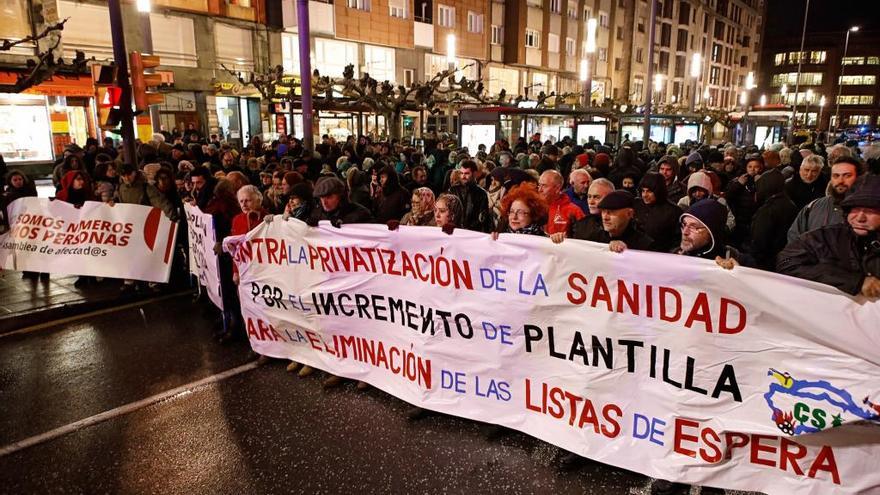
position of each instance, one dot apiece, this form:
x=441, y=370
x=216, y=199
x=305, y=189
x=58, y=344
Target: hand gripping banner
x=665, y=365
x=122, y=241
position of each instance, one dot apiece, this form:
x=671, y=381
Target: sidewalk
x=26, y=302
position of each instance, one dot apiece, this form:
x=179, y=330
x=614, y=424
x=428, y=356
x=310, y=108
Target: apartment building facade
x=825, y=72
x=531, y=46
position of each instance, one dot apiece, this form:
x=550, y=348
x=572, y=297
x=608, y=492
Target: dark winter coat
x=802, y=193
x=475, y=202
x=393, y=200
x=346, y=213
x=770, y=225
x=660, y=219
x=832, y=255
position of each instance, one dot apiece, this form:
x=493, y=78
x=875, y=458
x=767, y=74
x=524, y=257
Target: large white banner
x=662, y=364
x=121, y=241
x=202, y=259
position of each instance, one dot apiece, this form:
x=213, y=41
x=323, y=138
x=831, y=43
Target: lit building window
x=446, y=16
x=533, y=38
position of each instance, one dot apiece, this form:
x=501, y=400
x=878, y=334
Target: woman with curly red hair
x=523, y=211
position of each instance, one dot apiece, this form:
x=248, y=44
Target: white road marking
x=125, y=409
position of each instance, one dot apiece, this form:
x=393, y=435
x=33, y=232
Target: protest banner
x=202, y=259
x=121, y=241
x=666, y=365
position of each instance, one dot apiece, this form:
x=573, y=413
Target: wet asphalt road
x=260, y=431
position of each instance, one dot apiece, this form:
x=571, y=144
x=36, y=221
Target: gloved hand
x=268, y=219
x=393, y=224
x=448, y=229
x=311, y=222
x=336, y=223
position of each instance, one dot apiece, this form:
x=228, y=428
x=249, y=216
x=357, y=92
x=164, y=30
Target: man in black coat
x=775, y=214
x=656, y=215
x=474, y=200
x=846, y=256
x=334, y=205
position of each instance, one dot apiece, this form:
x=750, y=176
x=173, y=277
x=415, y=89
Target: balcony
x=423, y=35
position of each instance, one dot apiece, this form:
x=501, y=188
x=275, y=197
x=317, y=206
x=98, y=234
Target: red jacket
x=244, y=223
x=561, y=214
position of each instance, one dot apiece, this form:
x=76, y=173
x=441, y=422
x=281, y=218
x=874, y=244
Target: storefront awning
x=57, y=85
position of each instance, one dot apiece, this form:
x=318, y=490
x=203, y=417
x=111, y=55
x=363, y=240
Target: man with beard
x=474, y=199
x=827, y=211
x=845, y=255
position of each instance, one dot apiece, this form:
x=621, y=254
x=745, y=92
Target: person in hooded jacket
x=668, y=167
x=392, y=200
x=703, y=235
x=76, y=188
x=359, y=187
x=699, y=186
x=808, y=183
x=626, y=165
x=769, y=227
x=17, y=186
x=847, y=255
x=655, y=214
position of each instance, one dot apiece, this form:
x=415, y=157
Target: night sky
x=786, y=16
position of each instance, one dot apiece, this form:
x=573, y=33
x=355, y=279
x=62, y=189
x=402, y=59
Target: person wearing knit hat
x=846, y=256
x=703, y=235
x=700, y=187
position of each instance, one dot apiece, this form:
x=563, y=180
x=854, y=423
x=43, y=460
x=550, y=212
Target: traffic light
x=141, y=82
x=107, y=96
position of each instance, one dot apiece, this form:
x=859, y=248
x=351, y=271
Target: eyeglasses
x=692, y=227
x=519, y=213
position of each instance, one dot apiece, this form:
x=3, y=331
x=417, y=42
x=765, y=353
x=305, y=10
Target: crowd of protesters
x=809, y=211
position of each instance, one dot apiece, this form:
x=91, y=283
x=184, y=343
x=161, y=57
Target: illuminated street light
x=853, y=29
x=591, y=35
x=143, y=6
x=763, y=100
x=750, y=81
x=585, y=70
x=658, y=82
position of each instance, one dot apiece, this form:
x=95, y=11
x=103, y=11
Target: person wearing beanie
x=703, y=235
x=694, y=162
x=699, y=186
x=847, y=255
x=601, y=166
x=655, y=214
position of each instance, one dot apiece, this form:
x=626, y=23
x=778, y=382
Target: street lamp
x=763, y=101
x=590, y=48
x=450, y=60
x=853, y=29
x=696, y=68
x=585, y=76
x=821, y=109
x=143, y=6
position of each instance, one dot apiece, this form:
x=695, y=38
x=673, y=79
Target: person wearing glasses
x=523, y=211
x=703, y=235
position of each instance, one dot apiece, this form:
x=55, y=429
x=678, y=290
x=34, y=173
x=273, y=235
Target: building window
x=475, y=22
x=446, y=16
x=817, y=57
x=853, y=61
x=359, y=5
x=618, y=31
x=379, y=62
x=604, y=20
x=641, y=25
x=290, y=53
x=714, y=74
x=332, y=56
x=618, y=63
x=603, y=54
x=856, y=99
x=533, y=38
x=790, y=78
x=638, y=90
x=588, y=13
x=858, y=80
x=397, y=8
x=872, y=60
x=409, y=77
x=497, y=35
x=556, y=6
x=553, y=43
x=572, y=10
x=569, y=46
x=855, y=120
x=638, y=55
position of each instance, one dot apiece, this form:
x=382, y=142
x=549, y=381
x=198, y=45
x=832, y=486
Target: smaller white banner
x=122, y=241
x=202, y=259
